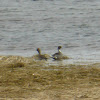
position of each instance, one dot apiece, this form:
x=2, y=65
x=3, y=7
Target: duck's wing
x=41, y=57
x=45, y=56
x=57, y=56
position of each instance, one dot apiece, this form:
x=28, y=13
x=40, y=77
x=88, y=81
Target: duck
x=59, y=55
x=42, y=56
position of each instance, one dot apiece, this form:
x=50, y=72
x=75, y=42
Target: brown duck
x=42, y=56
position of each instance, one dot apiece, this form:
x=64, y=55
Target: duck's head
x=39, y=50
x=59, y=47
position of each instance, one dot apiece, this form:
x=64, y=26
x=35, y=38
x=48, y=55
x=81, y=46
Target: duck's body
x=59, y=55
x=42, y=56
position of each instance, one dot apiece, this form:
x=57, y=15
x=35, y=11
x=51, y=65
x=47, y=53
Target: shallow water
x=74, y=24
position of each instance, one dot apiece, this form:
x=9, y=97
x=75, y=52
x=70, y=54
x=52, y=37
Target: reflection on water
x=28, y=24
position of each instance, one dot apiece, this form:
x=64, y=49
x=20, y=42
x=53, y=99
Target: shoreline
x=71, y=60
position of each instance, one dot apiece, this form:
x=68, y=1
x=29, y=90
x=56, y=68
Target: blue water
x=74, y=24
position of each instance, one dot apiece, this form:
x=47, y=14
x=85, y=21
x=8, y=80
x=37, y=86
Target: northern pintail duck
x=59, y=55
x=42, y=56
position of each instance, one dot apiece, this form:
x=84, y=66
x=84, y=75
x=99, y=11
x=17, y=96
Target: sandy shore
x=23, y=78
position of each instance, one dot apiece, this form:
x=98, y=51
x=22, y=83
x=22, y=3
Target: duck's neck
x=59, y=51
x=39, y=52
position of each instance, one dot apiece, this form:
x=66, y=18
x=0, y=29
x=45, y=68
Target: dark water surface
x=74, y=24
